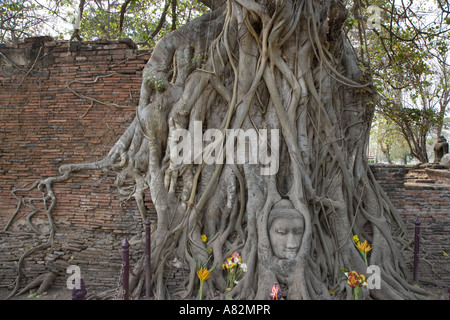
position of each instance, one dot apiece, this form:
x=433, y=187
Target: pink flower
x=275, y=293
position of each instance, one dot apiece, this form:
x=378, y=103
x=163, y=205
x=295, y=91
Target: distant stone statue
x=440, y=149
x=445, y=161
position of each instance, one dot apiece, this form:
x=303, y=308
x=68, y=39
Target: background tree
x=19, y=19
x=144, y=21
x=386, y=138
x=442, y=88
x=405, y=47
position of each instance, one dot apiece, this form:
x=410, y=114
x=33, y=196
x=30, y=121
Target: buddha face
x=285, y=236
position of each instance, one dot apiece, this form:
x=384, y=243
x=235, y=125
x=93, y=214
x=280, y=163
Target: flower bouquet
x=235, y=269
x=203, y=274
x=362, y=247
x=275, y=293
x=356, y=281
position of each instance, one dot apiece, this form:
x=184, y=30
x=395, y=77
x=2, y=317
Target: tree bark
x=213, y=4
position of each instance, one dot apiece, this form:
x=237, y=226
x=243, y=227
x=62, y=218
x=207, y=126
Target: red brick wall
x=430, y=202
x=42, y=127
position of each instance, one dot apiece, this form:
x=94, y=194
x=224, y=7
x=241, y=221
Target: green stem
x=200, y=295
x=357, y=293
x=364, y=256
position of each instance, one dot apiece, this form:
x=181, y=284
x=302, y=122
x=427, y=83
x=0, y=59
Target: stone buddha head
x=285, y=226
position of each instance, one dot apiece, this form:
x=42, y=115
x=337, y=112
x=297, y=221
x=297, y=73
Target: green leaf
x=343, y=270
x=351, y=22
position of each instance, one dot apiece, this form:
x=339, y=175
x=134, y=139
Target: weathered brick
x=41, y=129
x=429, y=202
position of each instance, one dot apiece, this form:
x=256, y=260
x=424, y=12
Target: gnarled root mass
x=257, y=65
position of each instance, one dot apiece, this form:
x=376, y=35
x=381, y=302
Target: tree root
x=44, y=281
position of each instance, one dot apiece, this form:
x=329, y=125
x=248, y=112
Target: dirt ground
x=66, y=294
x=51, y=294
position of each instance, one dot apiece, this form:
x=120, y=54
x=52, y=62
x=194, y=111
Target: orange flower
x=363, y=247
x=203, y=274
x=355, y=279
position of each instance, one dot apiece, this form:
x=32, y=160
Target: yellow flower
x=204, y=238
x=355, y=238
x=203, y=274
x=363, y=246
x=355, y=279
x=362, y=279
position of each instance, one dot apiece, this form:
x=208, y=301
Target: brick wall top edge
x=427, y=186
x=51, y=41
x=393, y=166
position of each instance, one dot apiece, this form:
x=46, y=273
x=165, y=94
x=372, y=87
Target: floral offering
x=203, y=274
x=275, y=293
x=363, y=247
x=235, y=270
x=356, y=281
